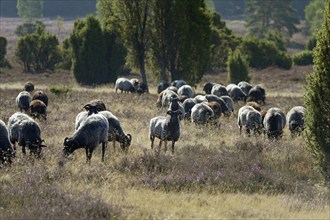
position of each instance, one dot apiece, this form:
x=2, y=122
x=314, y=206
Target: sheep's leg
x=88, y=155
x=173, y=142
x=240, y=129
x=23, y=151
x=104, y=146
x=114, y=144
x=165, y=146
x=160, y=145
x=152, y=138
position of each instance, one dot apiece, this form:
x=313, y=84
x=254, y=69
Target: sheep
x=215, y=106
x=256, y=94
x=95, y=106
x=229, y=102
x=29, y=87
x=245, y=86
x=207, y=87
x=38, y=109
x=178, y=83
x=162, y=85
x=249, y=118
x=165, y=96
x=255, y=105
x=235, y=92
x=142, y=88
x=91, y=132
x=40, y=95
x=224, y=108
x=125, y=85
x=274, y=122
x=23, y=100
x=295, y=120
x=6, y=150
x=166, y=128
x=26, y=131
x=186, y=91
x=115, y=132
x=200, y=98
x=135, y=82
x=219, y=90
x=201, y=113
x=176, y=105
x=188, y=104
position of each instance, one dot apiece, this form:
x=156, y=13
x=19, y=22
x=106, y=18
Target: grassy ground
x=214, y=173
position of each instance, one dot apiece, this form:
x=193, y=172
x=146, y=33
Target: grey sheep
x=274, y=123
x=188, y=104
x=250, y=119
x=38, y=109
x=245, y=86
x=186, y=91
x=91, y=132
x=23, y=100
x=178, y=83
x=124, y=85
x=135, y=82
x=219, y=90
x=166, y=128
x=26, y=131
x=235, y=92
x=295, y=119
x=200, y=98
x=165, y=96
x=201, y=113
x=224, y=107
x=6, y=150
x=229, y=102
x=176, y=105
x=162, y=85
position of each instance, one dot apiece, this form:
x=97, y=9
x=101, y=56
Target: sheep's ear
x=87, y=107
x=129, y=137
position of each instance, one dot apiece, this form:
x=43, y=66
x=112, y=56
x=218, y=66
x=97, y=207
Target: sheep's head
x=126, y=142
x=35, y=146
x=70, y=146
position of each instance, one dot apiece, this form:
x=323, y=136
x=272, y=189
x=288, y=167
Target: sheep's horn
x=129, y=136
x=87, y=106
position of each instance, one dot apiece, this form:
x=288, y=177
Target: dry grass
x=215, y=173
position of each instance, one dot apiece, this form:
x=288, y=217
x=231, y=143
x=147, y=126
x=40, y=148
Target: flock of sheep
x=95, y=125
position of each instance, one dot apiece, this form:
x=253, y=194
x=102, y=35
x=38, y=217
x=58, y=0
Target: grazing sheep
x=249, y=118
x=178, y=83
x=135, y=82
x=229, y=102
x=188, y=104
x=200, y=98
x=224, y=108
x=166, y=128
x=255, y=105
x=6, y=150
x=162, y=85
x=23, y=100
x=142, y=88
x=215, y=106
x=256, y=94
x=25, y=131
x=40, y=95
x=274, y=123
x=38, y=109
x=201, y=113
x=94, y=106
x=124, y=85
x=295, y=120
x=207, y=88
x=186, y=91
x=165, y=96
x=29, y=87
x=245, y=86
x=91, y=132
x=235, y=92
x=219, y=90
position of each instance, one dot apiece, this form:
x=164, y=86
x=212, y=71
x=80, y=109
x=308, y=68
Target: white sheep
x=295, y=119
x=23, y=100
x=235, y=92
x=186, y=91
x=201, y=113
x=91, y=132
x=250, y=119
x=26, y=131
x=219, y=90
x=166, y=128
x=125, y=85
x=6, y=150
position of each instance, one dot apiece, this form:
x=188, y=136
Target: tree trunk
x=143, y=72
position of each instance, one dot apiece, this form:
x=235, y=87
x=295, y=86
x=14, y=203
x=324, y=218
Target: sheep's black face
x=69, y=146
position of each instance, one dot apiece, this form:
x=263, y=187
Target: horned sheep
x=166, y=128
x=91, y=132
x=26, y=131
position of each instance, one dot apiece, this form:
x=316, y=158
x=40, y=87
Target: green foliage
x=238, y=67
x=262, y=53
x=311, y=43
x=3, y=50
x=263, y=16
x=38, y=52
x=314, y=15
x=277, y=38
x=303, y=58
x=317, y=100
x=30, y=8
x=60, y=90
x=29, y=27
x=66, y=55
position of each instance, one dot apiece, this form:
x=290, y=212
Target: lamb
x=124, y=85
x=207, y=88
x=245, y=86
x=40, y=95
x=23, y=100
x=166, y=128
x=6, y=150
x=29, y=87
x=26, y=131
x=256, y=94
x=201, y=113
x=249, y=118
x=295, y=120
x=235, y=92
x=115, y=132
x=186, y=91
x=274, y=122
x=38, y=109
x=219, y=90
x=91, y=132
